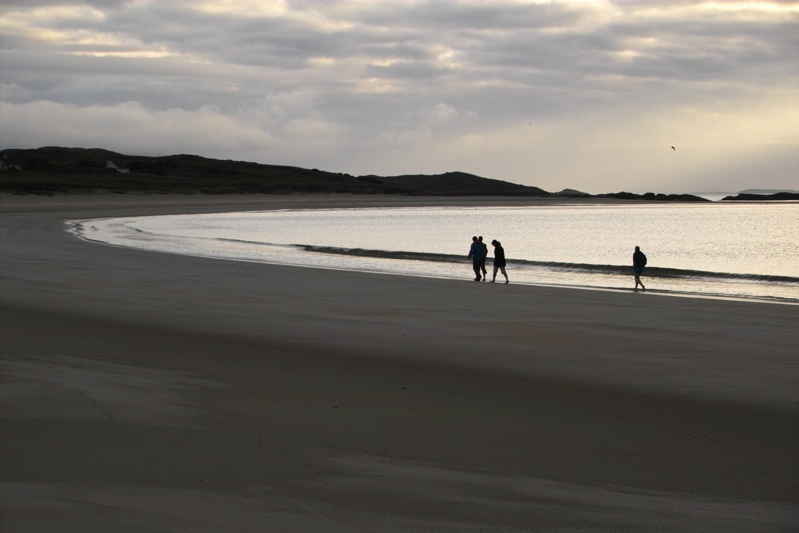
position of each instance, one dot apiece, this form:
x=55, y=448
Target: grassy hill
x=56, y=170
x=53, y=170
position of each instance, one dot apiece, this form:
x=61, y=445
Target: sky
x=587, y=95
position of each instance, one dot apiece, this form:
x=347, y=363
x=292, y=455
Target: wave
x=586, y=268
x=651, y=272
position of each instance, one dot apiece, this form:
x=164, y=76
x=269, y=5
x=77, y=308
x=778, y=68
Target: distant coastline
x=767, y=191
x=777, y=196
x=79, y=171
x=54, y=170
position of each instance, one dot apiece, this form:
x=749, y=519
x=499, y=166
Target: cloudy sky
x=590, y=95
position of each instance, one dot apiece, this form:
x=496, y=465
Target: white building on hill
x=111, y=166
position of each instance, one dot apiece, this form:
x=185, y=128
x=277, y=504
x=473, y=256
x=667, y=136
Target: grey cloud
x=104, y=4
x=411, y=71
x=80, y=80
x=442, y=16
x=509, y=40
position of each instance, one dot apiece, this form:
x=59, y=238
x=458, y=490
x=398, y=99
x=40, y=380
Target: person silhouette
x=477, y=255
x=639, y=262
x=485, y=255
x=499, y=260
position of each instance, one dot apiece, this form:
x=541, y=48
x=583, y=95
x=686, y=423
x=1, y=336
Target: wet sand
x=150, y=392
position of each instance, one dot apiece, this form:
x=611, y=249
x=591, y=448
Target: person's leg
x=495, y=274
x=504, y=274
x=476, y=268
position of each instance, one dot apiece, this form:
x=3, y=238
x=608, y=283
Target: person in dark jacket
x=639, y=262
x=485, y=255
x=477, y=255
x=499, y=260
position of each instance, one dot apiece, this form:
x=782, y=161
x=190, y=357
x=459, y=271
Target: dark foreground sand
x=154, y=392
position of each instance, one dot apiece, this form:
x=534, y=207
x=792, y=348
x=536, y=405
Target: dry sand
x=155, y=392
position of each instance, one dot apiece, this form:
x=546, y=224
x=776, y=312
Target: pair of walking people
x=478, y=254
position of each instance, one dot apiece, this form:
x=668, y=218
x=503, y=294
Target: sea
x=726, y=250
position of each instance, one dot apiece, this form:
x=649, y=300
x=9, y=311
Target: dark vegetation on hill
x=57, y=170
x=764, y=197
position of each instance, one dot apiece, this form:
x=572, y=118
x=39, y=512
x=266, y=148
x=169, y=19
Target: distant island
x=767, y=191
x=764, y=197
x=57, y=170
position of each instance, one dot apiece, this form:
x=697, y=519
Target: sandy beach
x=157, y=392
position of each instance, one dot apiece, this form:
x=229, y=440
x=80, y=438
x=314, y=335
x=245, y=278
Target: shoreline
x=158, y=389
x=735, y=286
x=623, y=290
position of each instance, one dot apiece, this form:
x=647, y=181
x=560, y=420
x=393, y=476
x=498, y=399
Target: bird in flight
x=673, y=148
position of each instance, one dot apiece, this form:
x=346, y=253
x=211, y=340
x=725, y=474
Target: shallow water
x=724, y=250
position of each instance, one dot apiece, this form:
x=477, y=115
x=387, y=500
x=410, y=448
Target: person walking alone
x=499, y=260
x=639, y=262
x=477, y=254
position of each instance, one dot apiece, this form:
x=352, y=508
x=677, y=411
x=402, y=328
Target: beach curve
x=330, y=397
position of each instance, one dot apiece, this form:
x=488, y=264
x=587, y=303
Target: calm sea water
x=713, y=250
